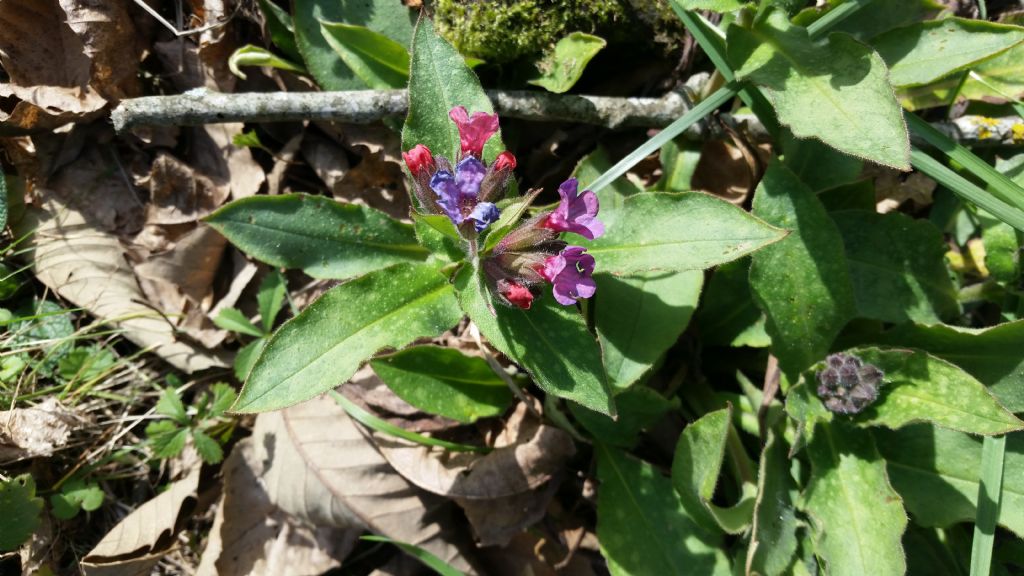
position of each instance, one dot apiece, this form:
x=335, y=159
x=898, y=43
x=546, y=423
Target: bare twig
x=201, y=106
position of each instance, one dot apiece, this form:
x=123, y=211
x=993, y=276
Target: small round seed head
x=847, y=385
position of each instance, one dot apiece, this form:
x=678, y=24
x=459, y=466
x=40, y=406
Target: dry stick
x=201, y=106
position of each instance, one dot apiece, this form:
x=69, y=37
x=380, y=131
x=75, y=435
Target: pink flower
x=505, y=161
x=516, y=294
x=419, y=159
x=475, y=130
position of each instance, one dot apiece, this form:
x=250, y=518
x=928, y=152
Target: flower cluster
x=847, y=385
x=531, y=254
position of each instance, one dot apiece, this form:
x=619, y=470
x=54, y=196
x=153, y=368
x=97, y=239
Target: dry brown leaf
x=86, y=267
x=370, y=392
x=376, y=182
x=45, y=108
x=178, y=195
x=726, y=171
x=495, y=522
x=136, y=543
x=526, y=454
x=109, y=40
x=35, y=431
x=326, y=158
x=893, y=189
x=37, y=47
x=94, y=184
x=251, y=536
x=321, y=468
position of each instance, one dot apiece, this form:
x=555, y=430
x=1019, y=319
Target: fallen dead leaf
x=526, y=454
x=94, y=184
x=251, y=536
x=86, y=267
x=495, y=522
x=138, y=541
x=109, y=40
x=370, y=392
x=177, y=195
x=726, y=171
x=35, y=431
x=320, y=467
x=37, y=47
x=46, y=108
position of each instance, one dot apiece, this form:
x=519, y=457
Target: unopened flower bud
x=847, y=385
x=505, y=161
x=419, y=159
x=515, y=294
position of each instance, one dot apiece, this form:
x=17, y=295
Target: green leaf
x=773, y=541
x=819, y=166
x=561, y=67
x=712, y=5
x=84, y=364
x=440, y=81
x=802, y=283
x=21, y=510
x=1002, y=248
x=377, y=60
x=999, y=78
x=233, y=320
x=898, y=267
x=166, y=438
x=728, y=316
x=640, y=317
x=882, y=16
x=270, y=298
x=675, y=232
x=223, y=397
x=444, y=381
x=324, y=345
x=857, y=518
x=323, y=238
x=428, y=559
x=927, y=51
x=679, y=160
x=921, y=388
x=611, y=197
x=834, y=90
x=806, y=410
x=246, y=358
x=510, y=216
x=170, y=405
x=391, y=19
x=248, y=139
x=250, y=55
x=931, y=465
x=638, y=409
x=76, y=495
x=698, y=463
x=549, y=340
x=282, y=31
x=436, y=233
x=643, y=527
x=208, y=448
x=992, y=355
x=384, y=427
x=993, y=451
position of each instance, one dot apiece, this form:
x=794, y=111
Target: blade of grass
x=1007, y=190
x=964, y=188
x=430, y=560
x=385, y=427
x=990, y=493
x=835, y=16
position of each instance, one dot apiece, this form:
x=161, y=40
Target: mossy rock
x=500, y=31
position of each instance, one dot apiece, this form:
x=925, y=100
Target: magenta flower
x=419, y=159
x=570, y=274
x=457, y=194
x=576, y=213
x=475, y=130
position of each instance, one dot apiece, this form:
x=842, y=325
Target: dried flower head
x=847, y=385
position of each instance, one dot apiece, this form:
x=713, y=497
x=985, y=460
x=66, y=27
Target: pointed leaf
x=643, y=527
x=440, y=81
x=640, y=317
x=728, y=315
x=270, y=297
x=233, y=320
x=323, y=238
x=562, y=67
x=280, y=27
x=444, y=381
x=549, y=340
x=637, y=409
x=922, y=388
x=802, y=283
x=857, y=518
x=698, y=463
x=377, y=60
x=927, y=51
x=208, y=448
x=836, y=90
x=676, y=232
x=773, y=541
x=324, y=345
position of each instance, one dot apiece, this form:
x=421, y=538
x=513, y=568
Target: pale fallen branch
x=201, y=106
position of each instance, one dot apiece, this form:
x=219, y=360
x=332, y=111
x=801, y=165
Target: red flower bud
x=505, y=161
x=516, y=294
x=419, y=159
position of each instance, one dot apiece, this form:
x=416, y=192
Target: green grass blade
x=385, y=427
x=1007, y=190
x=835, y=16
x=692, y=116
x=432, y=561
x=939, y=172
x=990, y=492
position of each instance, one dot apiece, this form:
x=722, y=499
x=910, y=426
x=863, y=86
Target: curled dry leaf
x=495, y=522
x=320, y=467
x=136, y=543
x=35, y=431
x=526, y=454
x=86, y=267
x=251, y=536
x=44, y=108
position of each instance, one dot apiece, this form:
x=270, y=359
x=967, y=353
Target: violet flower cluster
x=530, y=255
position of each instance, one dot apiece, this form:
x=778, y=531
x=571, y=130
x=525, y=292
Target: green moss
x=503, y=30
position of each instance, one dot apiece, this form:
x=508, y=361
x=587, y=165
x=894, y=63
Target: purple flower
x=475, y=130
x=457, y=193
x=569, y=273
x=576, y=213
x=483, y=214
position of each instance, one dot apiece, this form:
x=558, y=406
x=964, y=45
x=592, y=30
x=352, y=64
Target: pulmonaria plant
x=847, y=385
x=528, y=256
